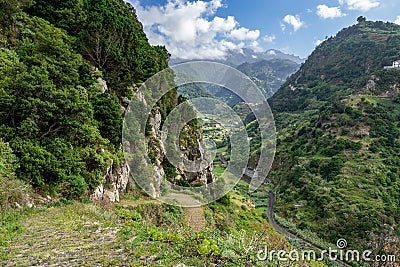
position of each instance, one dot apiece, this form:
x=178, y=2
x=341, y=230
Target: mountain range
x=235, y=58
x=268, y=70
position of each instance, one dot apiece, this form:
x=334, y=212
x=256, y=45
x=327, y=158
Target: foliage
x=64, y=128
x=8, y=160
x=11, y=189
x=208, y=247
x=46, y=114
x=107, y=112
x=109, y=35
x=338, y=139
x=269, y=74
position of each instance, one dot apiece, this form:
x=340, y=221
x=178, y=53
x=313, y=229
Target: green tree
x=361, y=19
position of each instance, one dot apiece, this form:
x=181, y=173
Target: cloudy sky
x=199, y=29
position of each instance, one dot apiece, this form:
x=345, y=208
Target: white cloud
x=190, y=30
x=269, y=38
x=244, y=34
x=294, y=21
x=361, y=5
x=326, y=12
x=397, y=21
x=318, y=42
x=255, y=45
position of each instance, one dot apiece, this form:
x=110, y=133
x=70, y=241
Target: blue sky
x=199, y=29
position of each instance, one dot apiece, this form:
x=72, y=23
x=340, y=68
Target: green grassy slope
x=336, y=169
x=138, y=232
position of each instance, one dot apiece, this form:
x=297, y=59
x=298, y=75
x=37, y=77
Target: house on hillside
x=395, y=65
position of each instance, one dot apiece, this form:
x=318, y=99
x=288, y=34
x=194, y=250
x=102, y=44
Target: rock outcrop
x=114, y=184
x=194, y=151
x=116, y=180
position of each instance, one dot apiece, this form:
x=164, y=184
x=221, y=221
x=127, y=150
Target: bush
x=11, y=189
x=7, y=161
x=225, y=199
x=129, y=215
x=75, y=186
x=329, y=170
x=209, y=247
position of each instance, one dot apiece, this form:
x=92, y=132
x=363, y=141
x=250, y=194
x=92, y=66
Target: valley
x=86, y=173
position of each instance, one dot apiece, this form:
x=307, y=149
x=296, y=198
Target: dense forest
x=68, y=70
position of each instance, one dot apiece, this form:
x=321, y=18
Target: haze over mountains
x=246, y=55
x=268, y=70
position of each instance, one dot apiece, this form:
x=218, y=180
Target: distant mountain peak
x=235, y=58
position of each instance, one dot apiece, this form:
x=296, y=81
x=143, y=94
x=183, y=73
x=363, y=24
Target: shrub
x=75, y=186
x=209, y=246
x=11, y=189
x=129, y=215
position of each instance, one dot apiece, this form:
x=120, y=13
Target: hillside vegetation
x=57, y=115
x=343, y=65
x=336, y=169
x=69, y=70
x=140, y=232
x=269, y=75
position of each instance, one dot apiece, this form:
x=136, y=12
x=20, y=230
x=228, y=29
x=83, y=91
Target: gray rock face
x=103, y=84
x=203, y=162
x=116, y=180
x=114, y=185
x=194, y=152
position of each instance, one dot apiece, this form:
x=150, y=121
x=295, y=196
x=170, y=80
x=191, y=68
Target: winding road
x=249, y=174
x=278, y=228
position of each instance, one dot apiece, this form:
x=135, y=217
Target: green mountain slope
x=68, y=71
x=269, y=75
x=336, y=169
x=341, y=66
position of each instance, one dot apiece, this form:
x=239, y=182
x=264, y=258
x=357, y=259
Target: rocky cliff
x=116, y=180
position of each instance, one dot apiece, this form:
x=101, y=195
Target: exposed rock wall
x=116, y=180
x=191, y=152
x=114, y=184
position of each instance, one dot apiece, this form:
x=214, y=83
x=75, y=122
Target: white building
x=395, y=65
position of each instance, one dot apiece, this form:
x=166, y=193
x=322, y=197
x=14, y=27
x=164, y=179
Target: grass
x=222, y=149
x=137, y=232
x=218, y=171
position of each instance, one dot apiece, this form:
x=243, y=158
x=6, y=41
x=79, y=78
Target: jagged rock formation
x=114, y=185
x=116, y=181
x=194, y=150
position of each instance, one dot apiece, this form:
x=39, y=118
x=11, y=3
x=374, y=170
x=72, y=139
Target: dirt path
x=195, y=218
x=194, y=215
